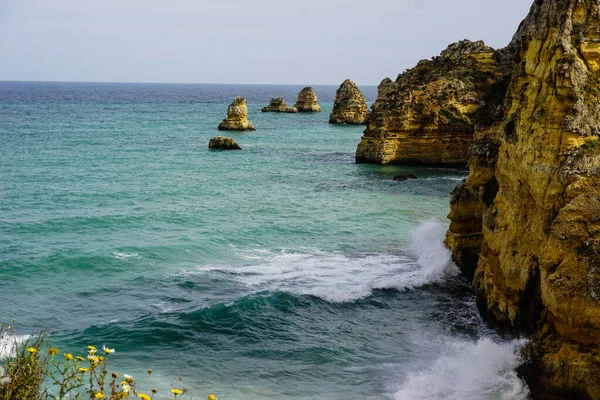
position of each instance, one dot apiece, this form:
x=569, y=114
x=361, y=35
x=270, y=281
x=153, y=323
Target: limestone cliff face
x=237, y=117
x=279, y=105
x=526, y=224
x=307, y=101
x=427, y=115
x=350, y=106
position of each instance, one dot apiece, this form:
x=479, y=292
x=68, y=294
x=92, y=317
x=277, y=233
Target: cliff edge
x=427, y=115
x=526, y=223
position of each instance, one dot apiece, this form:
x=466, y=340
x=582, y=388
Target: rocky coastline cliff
x=526, y=223
x=427, y=115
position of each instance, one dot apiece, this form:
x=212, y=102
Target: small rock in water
x=278, y=105
x=402, y=178
x=223, y=143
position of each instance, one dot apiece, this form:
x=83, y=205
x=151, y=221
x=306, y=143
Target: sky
x=308, y=42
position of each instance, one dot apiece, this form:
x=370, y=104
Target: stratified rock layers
x=350, y=106
x=526, y=224
x=307, y=101
x=278, y=105
x=426, y=115
x=237, y=117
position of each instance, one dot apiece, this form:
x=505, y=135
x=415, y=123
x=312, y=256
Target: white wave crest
x=124, y=256
x=9, y=343
x=469, y=371
x=337, y=277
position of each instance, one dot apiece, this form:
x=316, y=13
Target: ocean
x=283, y=271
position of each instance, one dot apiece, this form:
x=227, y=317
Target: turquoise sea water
x=283, y=271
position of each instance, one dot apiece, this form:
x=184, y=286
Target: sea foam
x=336, y=277
x=468, y=370
x=9, y=342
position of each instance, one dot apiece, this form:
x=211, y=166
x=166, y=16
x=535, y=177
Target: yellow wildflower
x=84, y=369
x=91, y=348
x=144, y=396
x=128, y=378
x=80, y=358
x=176, y=391
x=32, y=350
x=68, y=356
x=126, y=387
x=107, y=350
x=211, y=397
x=99, y=395
x=52, y=351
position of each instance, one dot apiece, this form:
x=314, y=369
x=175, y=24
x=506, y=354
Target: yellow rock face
x=427, y=115
x=350, y=106
x=307, y=101
x=526, y=224
x=237, y=117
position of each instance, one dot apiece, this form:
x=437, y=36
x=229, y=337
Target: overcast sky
x=239, y=41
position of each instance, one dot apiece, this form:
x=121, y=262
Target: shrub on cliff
x=36, y=371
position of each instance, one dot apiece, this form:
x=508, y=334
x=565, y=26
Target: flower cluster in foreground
x=29, y=367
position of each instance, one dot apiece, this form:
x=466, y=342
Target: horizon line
x=177, y=83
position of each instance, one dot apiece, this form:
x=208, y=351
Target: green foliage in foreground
x=32, y=364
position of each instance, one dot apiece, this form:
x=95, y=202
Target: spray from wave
x=337, y=277
x=466, y=370
x=9, y=343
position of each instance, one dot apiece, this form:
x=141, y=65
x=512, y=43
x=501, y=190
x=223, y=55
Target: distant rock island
x=350, y=106
x=307, y=101
x=427, y=115
x=223, y=143
x=237, y=117
x=278, y=105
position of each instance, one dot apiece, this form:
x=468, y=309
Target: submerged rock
x=526, y=223
x=350, y=106
x=237, y=117
x=223, y=143
x=307, y=101
x=402, y=177
x=278, y=105
x=427, y=116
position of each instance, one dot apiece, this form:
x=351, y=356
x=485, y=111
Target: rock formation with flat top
x=307, y=101
x=278, y=105
x=237, y=117
x=427, y=115
x=526, y=223
x=350, y=106
x=223, y=143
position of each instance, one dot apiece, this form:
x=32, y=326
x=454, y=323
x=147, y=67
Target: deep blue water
x=283, y=271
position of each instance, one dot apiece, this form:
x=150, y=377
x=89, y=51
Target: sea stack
x=427, y=115
x=307, y=101
x=350, y=106
x=237, y=117
x=526, y=224
x=278, y=105
x=223, y=143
